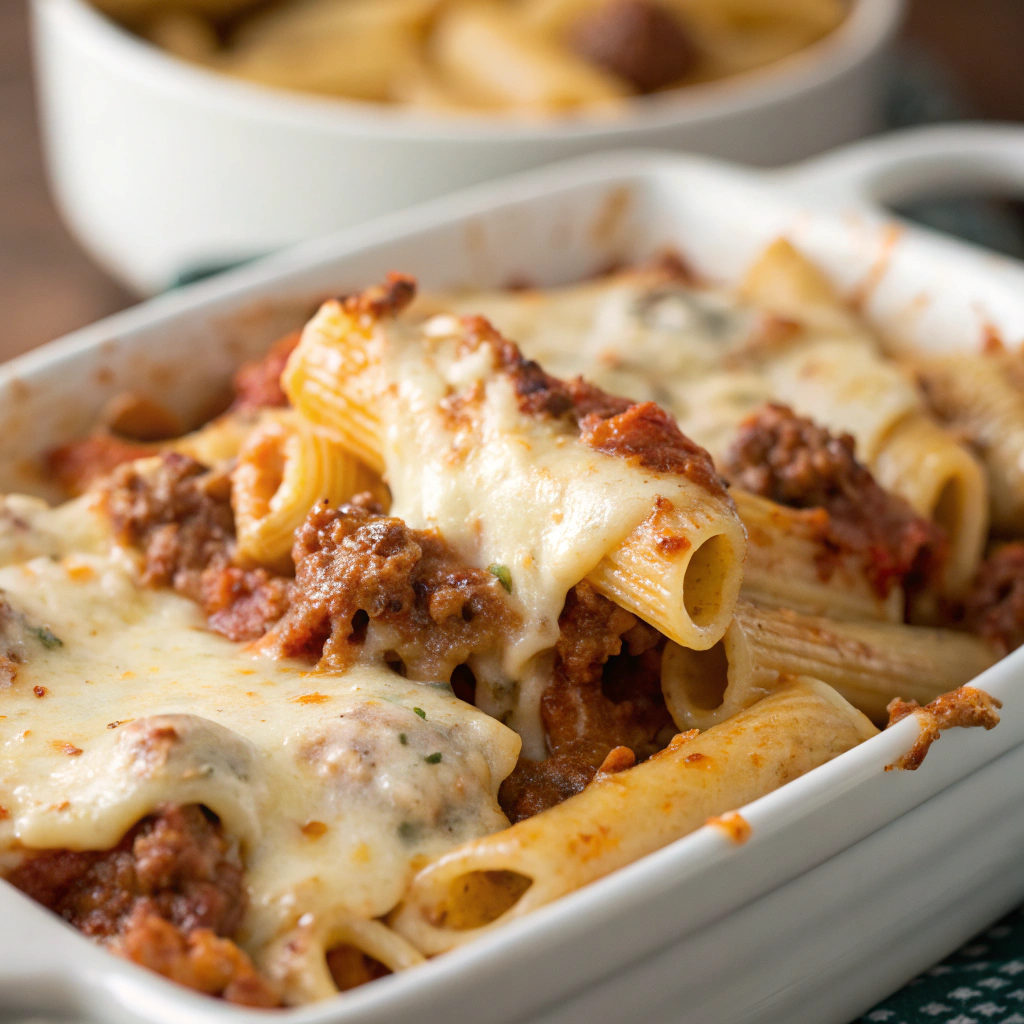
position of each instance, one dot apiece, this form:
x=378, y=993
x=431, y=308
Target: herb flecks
x=504, y=576
x=46, y=637
x=409, y=831
x=421, y=713
x=434, y=758
x=403, y=739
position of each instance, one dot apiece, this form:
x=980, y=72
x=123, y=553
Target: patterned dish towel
x=981, y=983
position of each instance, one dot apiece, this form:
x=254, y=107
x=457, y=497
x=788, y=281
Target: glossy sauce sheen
x=335, y=785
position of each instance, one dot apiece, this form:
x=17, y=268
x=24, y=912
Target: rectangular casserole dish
x=855, y=878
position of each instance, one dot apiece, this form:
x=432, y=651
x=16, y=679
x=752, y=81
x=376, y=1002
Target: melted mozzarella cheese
x=508, y=488
x=29, y=527
x=637, y=335
x=336, y=786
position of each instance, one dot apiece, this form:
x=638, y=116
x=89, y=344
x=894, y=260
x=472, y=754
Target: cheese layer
x=507, y=488
x=336, y=786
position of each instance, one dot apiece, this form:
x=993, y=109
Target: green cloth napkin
x=981, y=983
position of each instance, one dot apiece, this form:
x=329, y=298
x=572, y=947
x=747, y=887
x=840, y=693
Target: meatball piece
x=638, y=40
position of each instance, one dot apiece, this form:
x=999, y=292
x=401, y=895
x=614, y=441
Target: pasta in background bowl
x=164, y=167
x=539, y=57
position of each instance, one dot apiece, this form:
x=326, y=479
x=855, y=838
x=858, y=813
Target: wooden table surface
x=49, y=286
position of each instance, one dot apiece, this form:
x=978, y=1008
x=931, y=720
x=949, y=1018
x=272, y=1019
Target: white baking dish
x=854, y=878
x=162, y=167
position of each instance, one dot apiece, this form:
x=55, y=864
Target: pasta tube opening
x=868, y=663
x=694, y=683
x=703, y=580
x=284, y=469
x=942, y=481
x=974, y=395
x=679, y=572
x=333, y=951
x=621, y=817
x=479, y=898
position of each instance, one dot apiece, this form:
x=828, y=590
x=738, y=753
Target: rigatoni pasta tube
x=297, y=960
x=940, y=479
x=869, y=663
x=333, y=380
x=284, y=469
x=442, y=406
x=678, y=570
x=839, y=378
x=846, y=386
x=487, y=53
x=975, y=397
x=790, y=564
x=620, y=818
x=788, y=284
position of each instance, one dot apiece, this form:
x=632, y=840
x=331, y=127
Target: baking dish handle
x=919, y=163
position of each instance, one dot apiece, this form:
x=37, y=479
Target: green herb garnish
x=408, y=831
x=403, y=739
x=434, y=758
x=421, y=713
x=46, y=637
x=503, y=575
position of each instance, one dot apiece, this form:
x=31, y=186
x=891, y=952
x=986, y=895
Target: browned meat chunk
x=602, y=695
x=161, y=897
x=534, y=786
x=643, y=433
x=364, y=577
x=638, y=40
x=994, y=608
x=650, y=437
x=793, y=461
x=242, y=604
x=179, y=515
x=198, y=959
x=177, y=860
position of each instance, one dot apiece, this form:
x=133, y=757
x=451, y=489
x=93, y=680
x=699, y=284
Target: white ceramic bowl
x=854, y=878
x=162, y=167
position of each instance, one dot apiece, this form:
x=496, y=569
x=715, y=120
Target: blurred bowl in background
x=162, y=168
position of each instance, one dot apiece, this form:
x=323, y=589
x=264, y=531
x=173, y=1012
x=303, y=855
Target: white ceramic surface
x=854, y=878
x=161, y=167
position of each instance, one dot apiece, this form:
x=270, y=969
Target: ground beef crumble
x=606, y=687
x=652, y=438
x=534, y=786
x=994, y=607
x=793, y=461
x=178, y=513
x=605, y=693
x=168, y=896
x=362, y=577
